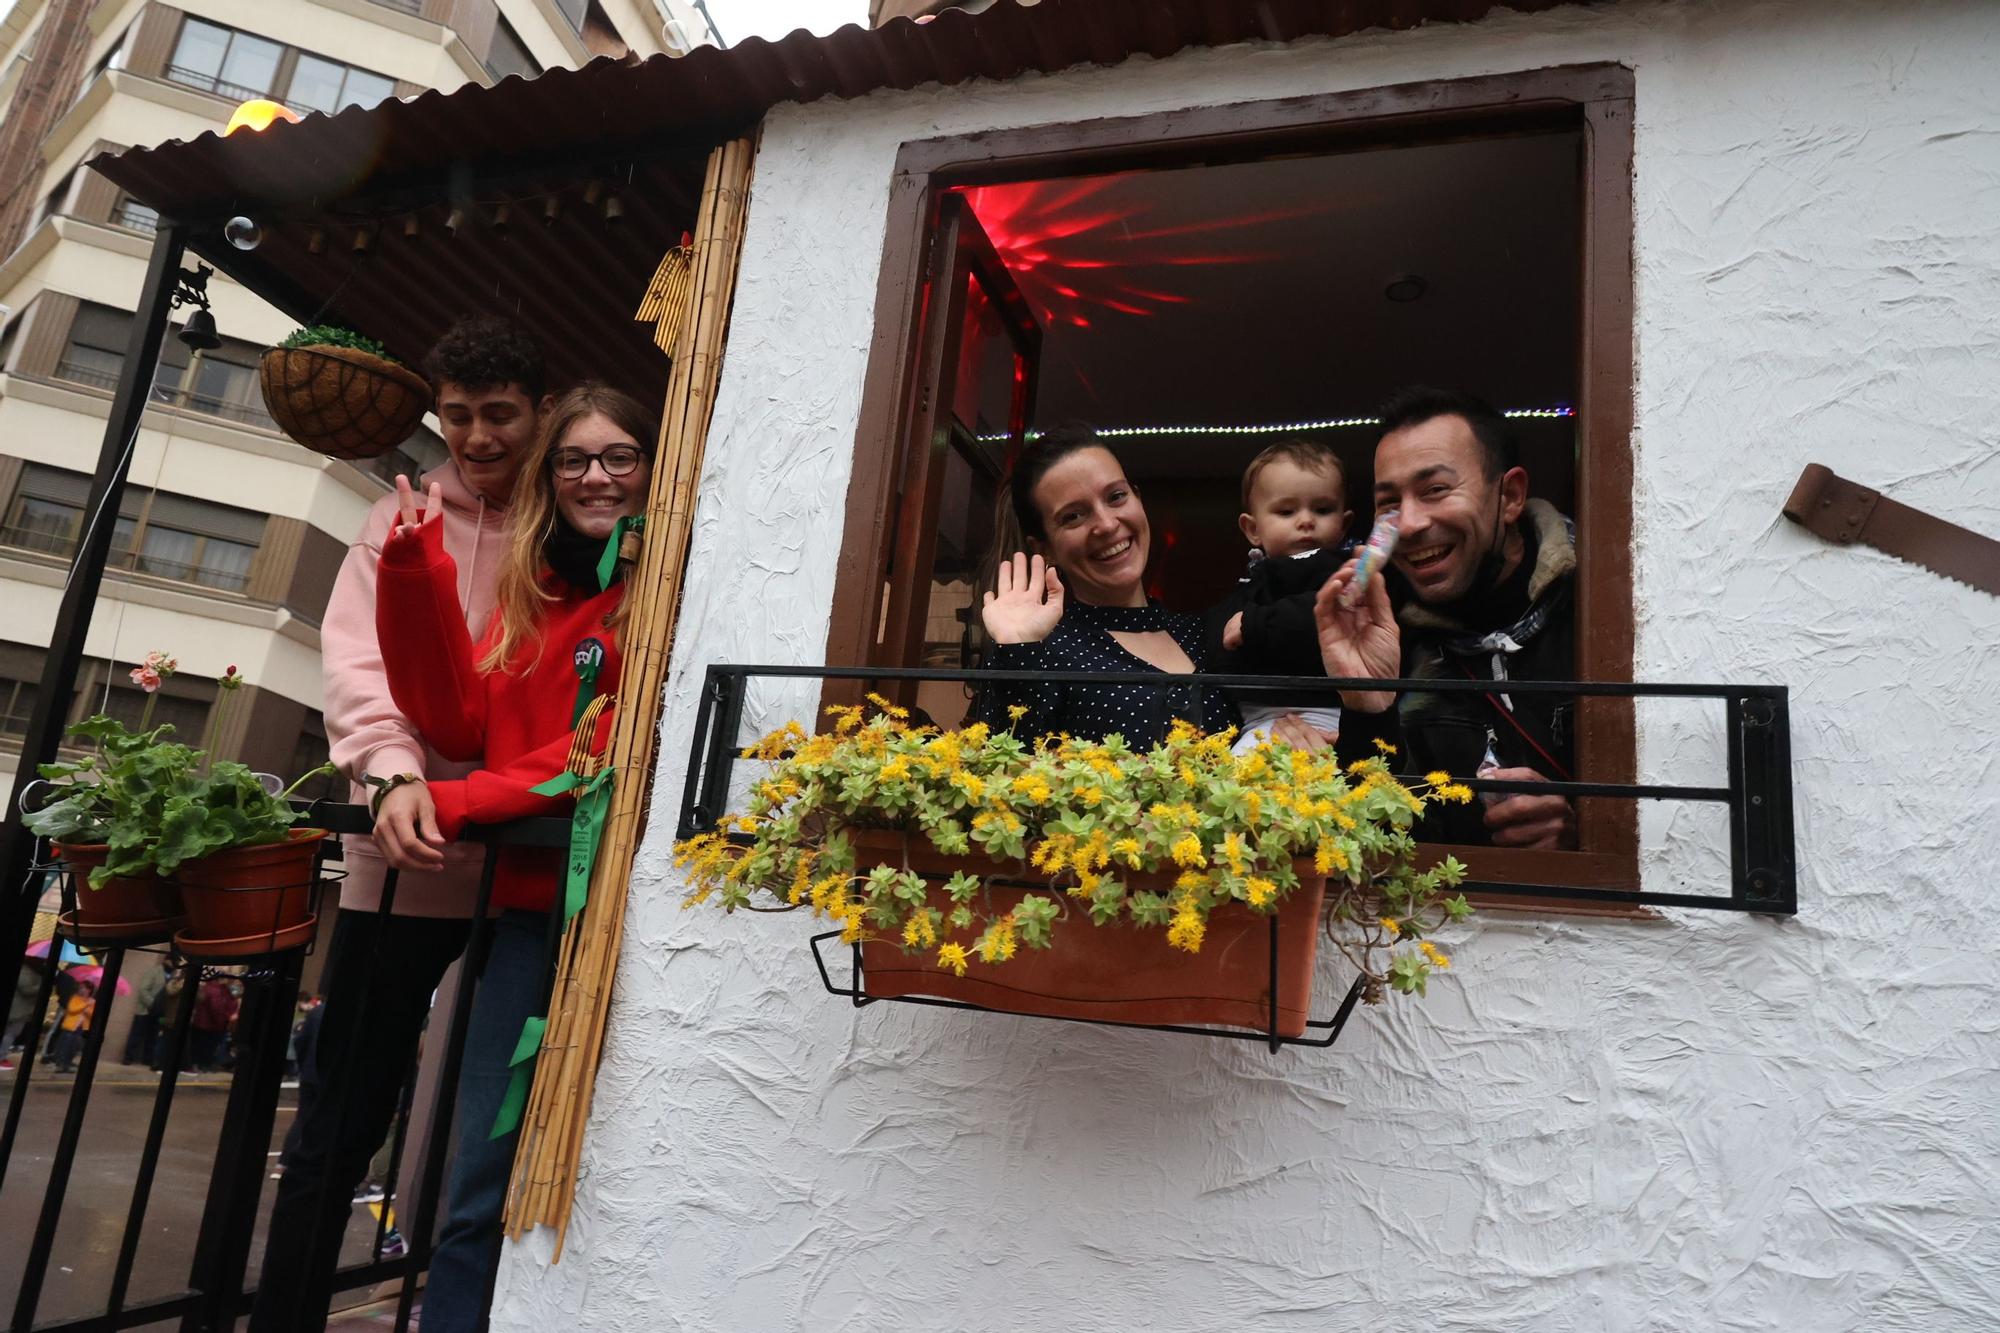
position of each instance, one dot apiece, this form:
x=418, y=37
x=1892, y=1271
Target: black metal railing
x=215, y=83
x=1757, y=792
x=169, y=395
x=135, y=216
x=44, y=542
x=216, y=1292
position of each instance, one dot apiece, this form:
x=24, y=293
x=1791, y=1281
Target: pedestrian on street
x=27, y=989
x=170, y=998
x=71, y=1028
x=148, y=1000
x=214, y=1010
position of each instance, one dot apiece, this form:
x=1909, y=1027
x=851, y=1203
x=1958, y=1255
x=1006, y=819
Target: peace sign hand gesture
x=1027, y=604
x=412, y=514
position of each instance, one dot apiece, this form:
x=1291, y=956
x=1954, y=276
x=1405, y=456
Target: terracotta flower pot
x=250, y=900
x=1124, y=972
x=134, y=909
x=342, y=402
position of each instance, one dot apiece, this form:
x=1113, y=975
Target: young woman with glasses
x=512, y=702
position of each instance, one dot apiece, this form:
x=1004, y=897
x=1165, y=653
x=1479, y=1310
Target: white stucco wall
x=1712, y=1122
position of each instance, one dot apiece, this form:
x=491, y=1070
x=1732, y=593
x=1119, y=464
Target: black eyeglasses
x=618, y=461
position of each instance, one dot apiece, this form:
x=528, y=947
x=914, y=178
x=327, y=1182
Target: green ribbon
x=523, y=1065
x=586, y=830
x=607, y=564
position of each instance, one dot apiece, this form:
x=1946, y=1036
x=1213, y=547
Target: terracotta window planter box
x=342, y=402
x=250, y=900
x=128, y=909
x=1120, y=973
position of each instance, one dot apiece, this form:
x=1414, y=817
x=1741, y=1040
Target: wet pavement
x=100, y=1190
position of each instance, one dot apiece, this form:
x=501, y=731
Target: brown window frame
x=1595, y=98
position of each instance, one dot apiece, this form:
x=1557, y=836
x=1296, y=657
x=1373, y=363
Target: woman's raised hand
x=1362, y=640
x=410, y=514
x=1028, y=602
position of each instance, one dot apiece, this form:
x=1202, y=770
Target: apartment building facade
x=229, y=536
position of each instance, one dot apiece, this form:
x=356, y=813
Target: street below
x=101, y=1184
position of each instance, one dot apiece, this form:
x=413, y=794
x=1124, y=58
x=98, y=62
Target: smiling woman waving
x=512, y=703
x=1076, y=600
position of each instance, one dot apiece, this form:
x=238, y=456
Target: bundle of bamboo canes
x=545, y=1162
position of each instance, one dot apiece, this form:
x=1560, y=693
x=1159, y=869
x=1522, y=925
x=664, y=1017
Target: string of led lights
x=1277, y=427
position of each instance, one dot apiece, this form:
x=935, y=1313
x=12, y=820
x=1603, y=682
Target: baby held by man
x=1296, y=519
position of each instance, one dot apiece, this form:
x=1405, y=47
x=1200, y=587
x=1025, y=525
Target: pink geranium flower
x=146, y=678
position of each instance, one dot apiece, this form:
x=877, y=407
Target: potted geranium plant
x=340, y=393
x=952, y=857
x=161, y=837
x=99, y=815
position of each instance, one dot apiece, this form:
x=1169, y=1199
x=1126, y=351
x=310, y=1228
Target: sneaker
x=394, y=1246
x=6, y=1065
x=370, y=1193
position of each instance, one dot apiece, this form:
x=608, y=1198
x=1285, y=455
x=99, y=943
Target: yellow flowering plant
x=1087, y=819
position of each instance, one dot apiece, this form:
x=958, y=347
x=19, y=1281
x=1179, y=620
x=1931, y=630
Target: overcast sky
x=774, y=18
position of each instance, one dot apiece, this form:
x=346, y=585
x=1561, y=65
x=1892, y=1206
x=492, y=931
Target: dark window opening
x=95, y=352
x=135, y=216
x=508, y=54
x=168, y=536
x=1200, y=284
x=1198, y=314
x=241, y=65
x=183, y=700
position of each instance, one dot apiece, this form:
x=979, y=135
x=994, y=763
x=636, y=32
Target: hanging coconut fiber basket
x=340, y=401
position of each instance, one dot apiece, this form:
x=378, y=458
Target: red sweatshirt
x=515, y=721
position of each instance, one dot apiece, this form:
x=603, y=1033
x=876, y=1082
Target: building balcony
x=41, y=541
x=243, y=413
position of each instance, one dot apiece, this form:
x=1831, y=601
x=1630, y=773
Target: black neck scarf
x=573, y=556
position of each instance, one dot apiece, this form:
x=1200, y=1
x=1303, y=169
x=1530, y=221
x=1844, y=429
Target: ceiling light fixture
x=1405, y=288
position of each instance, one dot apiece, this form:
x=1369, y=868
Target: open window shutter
x=980, y=355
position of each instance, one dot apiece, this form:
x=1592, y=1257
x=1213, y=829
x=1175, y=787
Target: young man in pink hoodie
x=381, y=971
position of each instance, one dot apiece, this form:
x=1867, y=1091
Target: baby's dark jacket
x=1276, y=599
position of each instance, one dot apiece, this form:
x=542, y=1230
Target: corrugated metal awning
x=645, y=126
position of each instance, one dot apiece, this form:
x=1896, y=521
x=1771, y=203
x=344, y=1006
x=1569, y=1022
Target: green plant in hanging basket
x=341, y=394
x=1161, y=839
x=332, y=335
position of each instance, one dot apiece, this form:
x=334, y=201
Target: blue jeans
x=511, y=990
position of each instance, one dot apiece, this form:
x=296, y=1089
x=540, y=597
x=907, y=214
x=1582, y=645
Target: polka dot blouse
x=1082, y=641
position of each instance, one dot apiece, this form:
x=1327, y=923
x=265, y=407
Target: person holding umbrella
x=75, y=1021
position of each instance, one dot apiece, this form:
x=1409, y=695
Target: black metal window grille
x=1757, y=793
x=237, y=65
x=17, y=705
x=240, y=65
x=94, y=353
x=319, y=84
x=167, y=536
x=135, y=216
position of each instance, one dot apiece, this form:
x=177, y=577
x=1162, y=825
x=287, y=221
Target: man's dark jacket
x=1453, y=731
